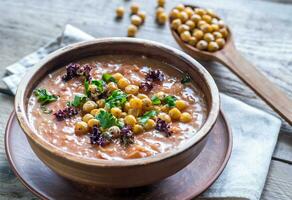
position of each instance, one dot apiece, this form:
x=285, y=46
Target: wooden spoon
x=230, y=57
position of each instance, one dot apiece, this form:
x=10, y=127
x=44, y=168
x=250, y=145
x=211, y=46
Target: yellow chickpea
x=136, y=20
x=117, y=76
x=191, y=24
x=123, y=114
x=183, y=16
x=88, y=106
x=200, y=11
x=221, y=24
x=206, y=28
x=174, y=13
x=159, y=10
x=132, y=30
x=196, y=18
x=207, y=18
x=142, y=15
x=174, y=113
x=93, y=122
x=164, y=117
x=157, y=108
x=112, y=86
x=95, y=112
x=92, y=88
x=198, y=34
x=130, y=120
x=116, y=112
x=80, y=128
x=189, y=11
x=215, y=27
x=193, y=41
x=224, y=32
x=180, y=7
x=160, y=95
x=181, y=104
x=209, y=37
x=183, y=28
x=162, y=18
x=161, y=3
x=87, y=117
x=146, y=104
x=135, y=112
x=217, y=35
x=142, y=96
x=132, y=89
x=202, y=45
x=100, y=103
x=138, y=129
x=200, y=23
x=220, y=42
x=211, y=13
x=213, y=46
x=123, y=82
x=164, y=108
x=136, y=103
x=185, y=117
x=185, y=36
x=134, y=8
x=150, y=124
x=127, y=106
x=175, y=23
x=120, y=12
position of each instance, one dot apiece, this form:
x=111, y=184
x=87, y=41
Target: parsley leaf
x=44, y=97
x=107, y=120
x=155, y=100
x=79, y=99
x=143, y=119
x=117, y=99
x=170, y=100
x=86, y=86
x=186, y=79
x=46, y=110
x=99, y=84
x=108, y=78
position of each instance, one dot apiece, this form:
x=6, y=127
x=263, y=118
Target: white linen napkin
x=255, y=132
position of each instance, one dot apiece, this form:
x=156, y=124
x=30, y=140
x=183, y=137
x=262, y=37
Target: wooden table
x=262, y=30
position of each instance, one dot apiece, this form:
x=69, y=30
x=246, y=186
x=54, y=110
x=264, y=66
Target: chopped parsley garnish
x=170, y=100
x=107, y=120
x=46, y=110
x=155, y=100
x=117, y=99
x=108, y=78
x=143, y=119
x=99, y=84
x=44, y=97
x=186, y=79
x=79, y=99
x=86, y=86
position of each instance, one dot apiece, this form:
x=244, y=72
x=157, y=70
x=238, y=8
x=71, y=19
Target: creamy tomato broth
x=171, y=111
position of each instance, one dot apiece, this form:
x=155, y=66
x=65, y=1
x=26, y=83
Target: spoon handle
x=262, y=86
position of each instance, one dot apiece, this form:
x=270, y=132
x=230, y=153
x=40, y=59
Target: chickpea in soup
x=117, y=107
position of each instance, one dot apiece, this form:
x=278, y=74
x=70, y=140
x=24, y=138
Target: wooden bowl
x=126, y=173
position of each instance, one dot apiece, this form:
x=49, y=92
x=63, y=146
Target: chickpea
x=93, y=122
x=87, y=117
x=196, y=18
x=132, y=89
x=123, y=115
x=146, y=103
x=134, y=8
x=136, y=20
x=193, y=41
x=160, y=95
x=135, y=112
x=174, y=113
x=114, y=131
x=221, y=24
x=116, y=112
x=183, y=28
x=80, y=128
x=209, y=37
x=189, y=11
x=142, y=15
x=157, y=108
x=207, y=18
x=138, y=129
x=211, y=13
x=120, y=12
x=174, y=13
x=191, y=24
x=127, y=106
x=213, y=46
x=180, y=7
x=181, y=104
x=202, y=45
x=130, y=120
x=88, y=106
x=164, y=117
x=123, y=82
x=112, y=86
x=150, y=124
x=162, y=18
x=185, y=36
x=224, y=32
x=159, y=10
x=132, y=30
x=183, y=16
x=206, y=28
x=117, y=76
x=142, y=96
x=95, y=112
x=200, y=11
x=220, y=42
x=215, y=27
x=185, y=117
x=136, y=103
x=176, y=23
x=217, y=35
x=92, y=88
x=198, y=34
x=100, y=103
x=164, y=108
x=201, y=22
x=161, y=3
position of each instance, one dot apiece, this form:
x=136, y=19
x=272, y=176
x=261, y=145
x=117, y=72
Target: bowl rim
x=22, y=118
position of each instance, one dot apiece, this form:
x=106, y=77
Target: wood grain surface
x=262, y=31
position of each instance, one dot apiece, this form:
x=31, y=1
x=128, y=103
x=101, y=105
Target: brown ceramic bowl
x=128, y=173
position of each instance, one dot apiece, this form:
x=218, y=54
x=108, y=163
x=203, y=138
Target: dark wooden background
x=262, y=31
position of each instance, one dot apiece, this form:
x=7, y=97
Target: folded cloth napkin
x=255, y=132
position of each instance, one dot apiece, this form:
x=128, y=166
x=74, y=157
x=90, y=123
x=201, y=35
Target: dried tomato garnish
x=67, y=112
x=162, y=126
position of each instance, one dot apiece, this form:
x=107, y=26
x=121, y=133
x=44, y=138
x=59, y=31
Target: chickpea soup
x=117, y=107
